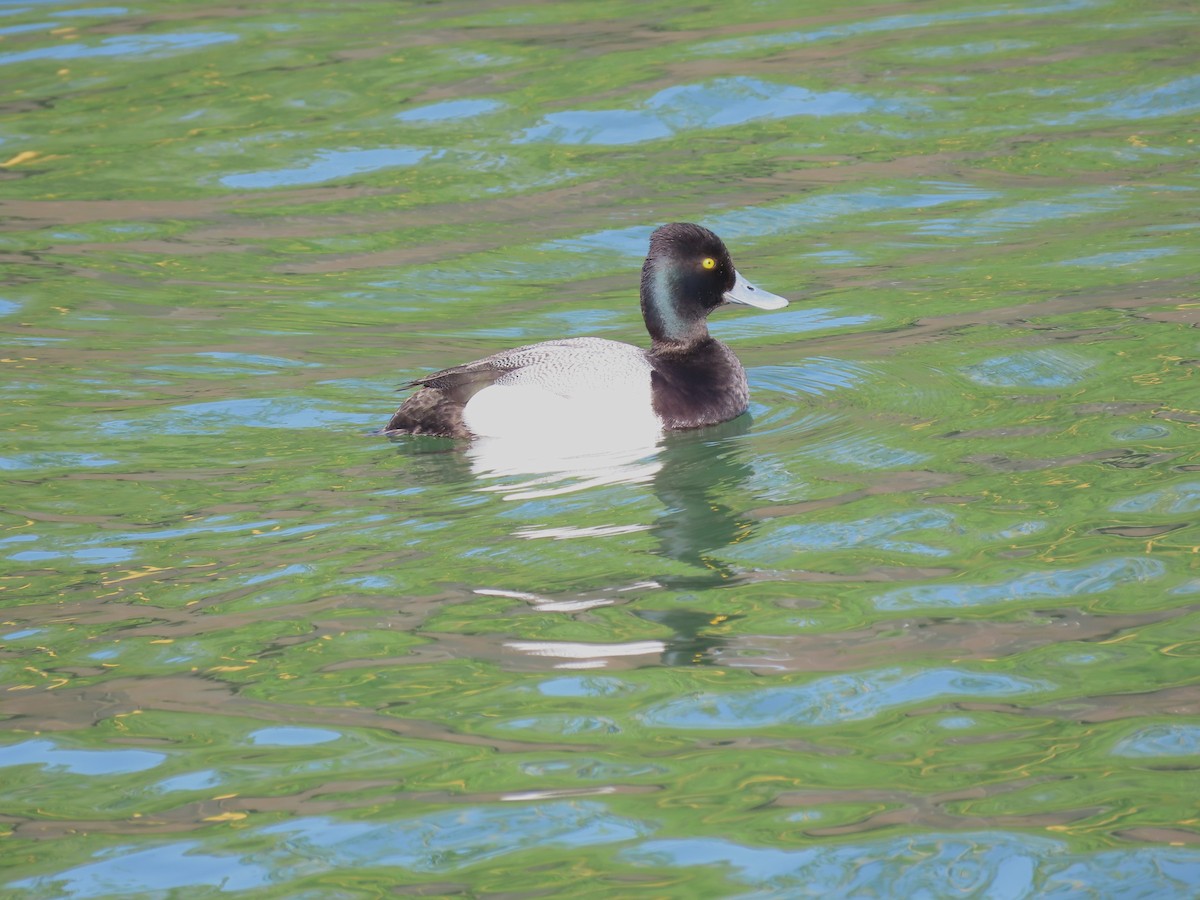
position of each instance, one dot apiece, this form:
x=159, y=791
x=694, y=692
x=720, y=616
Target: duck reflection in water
x=691, y=474
x=694, y=526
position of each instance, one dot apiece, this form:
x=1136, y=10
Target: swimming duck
x=687, y=379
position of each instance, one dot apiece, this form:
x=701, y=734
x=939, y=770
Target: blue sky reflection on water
x=328, y=165
x=992, y=864
x=450, y=109
x=1080, y=581
x=49, y=755
x=438, y=843
x=716, y=104
x=132, y=47
x=839, y=698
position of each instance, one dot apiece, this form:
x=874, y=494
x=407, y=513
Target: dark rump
x=437, y=407
x=429, y=411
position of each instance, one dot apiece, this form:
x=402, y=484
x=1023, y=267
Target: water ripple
x=441, y=842
x=885, y=24
x=1175, y=98
x=134, y=46
x=828, y=701
x=450, y=109
x=153, y=871
x=1060, y=585
x=815, y=376
x=54, y=460
x=862, y=451
x=217, y=416
x=1119, y=258
x=1171, y=500
x=1174, y=739
x=795, y=321
x=1035, y=368
x=292, y=736
x=448, y=841
x=989, y=864
x=1025, y=213
x=880, y=532
x=752, y=224
x=327, y=165
x=971, y=50
x=714, y=104
x=48, y=755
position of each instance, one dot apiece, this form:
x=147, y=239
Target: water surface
x=923, y=624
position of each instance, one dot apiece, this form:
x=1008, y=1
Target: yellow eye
x=708, y=262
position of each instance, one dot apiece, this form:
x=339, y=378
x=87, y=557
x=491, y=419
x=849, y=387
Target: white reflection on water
x=572, y=604
x=549, y=466
x=547, y=604
x=577, y=655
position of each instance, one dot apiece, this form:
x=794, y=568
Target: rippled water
x=924, y=624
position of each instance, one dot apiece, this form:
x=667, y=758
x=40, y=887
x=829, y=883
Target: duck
x=593, y=386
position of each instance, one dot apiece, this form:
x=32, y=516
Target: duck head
x=687, y=274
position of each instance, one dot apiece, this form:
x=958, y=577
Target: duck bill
x=745, y=293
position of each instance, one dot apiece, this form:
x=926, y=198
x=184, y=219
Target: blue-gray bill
x=745, y=293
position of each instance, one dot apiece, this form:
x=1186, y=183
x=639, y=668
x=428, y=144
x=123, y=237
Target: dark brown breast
x=700, y=384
